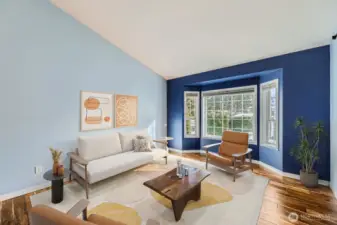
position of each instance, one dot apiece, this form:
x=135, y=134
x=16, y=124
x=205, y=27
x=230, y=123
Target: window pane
x=218, y=131
x=218, y=98
x=217, y=106
x=248, y=96
x=247, y=124
x=227, y=98
x=210, y=114
x=237, y=97
x=237, y=125
x=210, y=131
x=237, y=109
x=210, y=123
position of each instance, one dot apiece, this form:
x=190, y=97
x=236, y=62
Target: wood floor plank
x=7, y=213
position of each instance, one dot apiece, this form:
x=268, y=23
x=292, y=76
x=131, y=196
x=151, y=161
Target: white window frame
x=197, y=114
x=264, y=114
x=236, y=89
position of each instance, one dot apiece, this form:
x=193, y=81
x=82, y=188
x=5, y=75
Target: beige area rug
x=126, y=192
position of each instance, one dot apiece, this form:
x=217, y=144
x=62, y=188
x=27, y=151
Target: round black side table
x=56, y=185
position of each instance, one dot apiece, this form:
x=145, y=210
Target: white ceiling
x=176, y=38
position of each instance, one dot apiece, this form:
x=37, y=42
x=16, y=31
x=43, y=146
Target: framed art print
x=96, y=111
x=126, y=110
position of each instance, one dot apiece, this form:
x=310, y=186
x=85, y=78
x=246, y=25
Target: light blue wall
x=46, y=58
x=333, y=115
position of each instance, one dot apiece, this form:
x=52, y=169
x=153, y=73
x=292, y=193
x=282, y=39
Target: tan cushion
x=101, y=220
x=233, y=143
x=228, y=148
x=235, y=137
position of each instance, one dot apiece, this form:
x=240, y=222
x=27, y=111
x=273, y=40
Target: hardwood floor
x=283, y=196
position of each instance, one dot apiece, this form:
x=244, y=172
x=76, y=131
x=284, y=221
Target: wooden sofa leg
x=86, y=183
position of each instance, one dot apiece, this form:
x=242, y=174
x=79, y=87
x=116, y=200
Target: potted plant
x=307, y=151
x=56, y=154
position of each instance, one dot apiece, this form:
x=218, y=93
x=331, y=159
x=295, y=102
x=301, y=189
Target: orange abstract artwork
x=126, y=110
x=96, y=111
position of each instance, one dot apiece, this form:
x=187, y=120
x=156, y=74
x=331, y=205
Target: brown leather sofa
x=231, y=154
x=44, y=215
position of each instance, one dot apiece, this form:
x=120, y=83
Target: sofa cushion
x=127, y=138
x=103, y=168
x=95, y=147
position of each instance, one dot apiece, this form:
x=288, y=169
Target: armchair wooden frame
x=238, y=163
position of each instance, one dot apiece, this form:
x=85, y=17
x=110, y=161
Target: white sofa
x=100, y=157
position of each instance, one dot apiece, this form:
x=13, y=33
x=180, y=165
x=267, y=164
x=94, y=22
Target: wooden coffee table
x=179, y=191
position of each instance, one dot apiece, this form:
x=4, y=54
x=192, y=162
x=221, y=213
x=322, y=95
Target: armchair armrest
x=77, y=158
x=78, y=208
x=206, y=147
x=236, y=155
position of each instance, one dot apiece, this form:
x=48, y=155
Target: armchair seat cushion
x=103, y=168
x=221, y=159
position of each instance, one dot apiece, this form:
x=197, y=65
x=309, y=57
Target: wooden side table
x=56, y=185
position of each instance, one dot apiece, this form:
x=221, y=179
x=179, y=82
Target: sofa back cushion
x=127, y=138
x=95, y=147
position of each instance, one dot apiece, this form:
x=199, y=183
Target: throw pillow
x=141, y=144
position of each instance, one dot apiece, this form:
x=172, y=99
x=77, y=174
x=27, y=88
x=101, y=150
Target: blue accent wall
x=46, y=59
x=306, y=92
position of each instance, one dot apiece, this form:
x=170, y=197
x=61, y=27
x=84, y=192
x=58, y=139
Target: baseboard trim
x=183, y=151
x=269, y=167
x=24, y=191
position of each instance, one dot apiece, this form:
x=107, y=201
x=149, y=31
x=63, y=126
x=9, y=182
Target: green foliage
x=307, y=152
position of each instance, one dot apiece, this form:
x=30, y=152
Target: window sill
x=219, y=139
x=273, y=147
x=191, y=136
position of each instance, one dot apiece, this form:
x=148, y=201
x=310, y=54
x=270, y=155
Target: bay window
x=232, y=109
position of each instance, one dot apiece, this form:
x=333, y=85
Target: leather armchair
x=231, y=154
